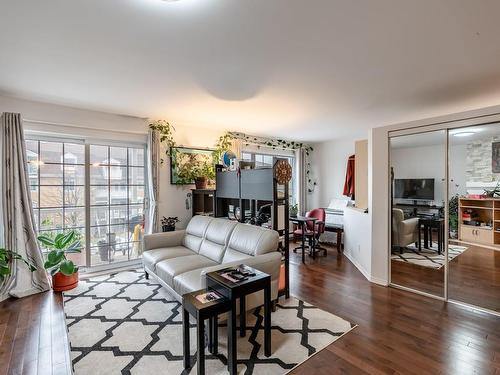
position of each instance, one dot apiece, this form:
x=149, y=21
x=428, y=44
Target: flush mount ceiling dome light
x=463, y=134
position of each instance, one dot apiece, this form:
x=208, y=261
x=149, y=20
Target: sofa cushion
x=189, y=281
x=250, y=240
x=151, y=257
x=169, y=268
x=216, y=239
x=195, y=232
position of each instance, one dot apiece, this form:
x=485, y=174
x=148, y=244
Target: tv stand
x=418, y=206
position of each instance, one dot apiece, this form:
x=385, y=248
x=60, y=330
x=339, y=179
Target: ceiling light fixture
x=463, y=134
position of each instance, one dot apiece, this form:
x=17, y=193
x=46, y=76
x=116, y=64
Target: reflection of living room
x=419, y=195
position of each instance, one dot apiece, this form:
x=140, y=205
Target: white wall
x=56, y=119
x=357, y=240
x=329, y=167
x=429, y=162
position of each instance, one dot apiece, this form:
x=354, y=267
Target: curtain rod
x=79, y=126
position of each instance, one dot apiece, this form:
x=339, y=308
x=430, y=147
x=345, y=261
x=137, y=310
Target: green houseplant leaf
x=6, y=257
x=60, y=245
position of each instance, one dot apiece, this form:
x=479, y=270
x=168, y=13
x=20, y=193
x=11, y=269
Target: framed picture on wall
x=495, y=157
x=187, y=163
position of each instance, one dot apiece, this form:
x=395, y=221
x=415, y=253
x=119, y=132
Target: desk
x=302, y=221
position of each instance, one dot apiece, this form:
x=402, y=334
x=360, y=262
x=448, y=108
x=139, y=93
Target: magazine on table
x=238, y=274
x=208, y=297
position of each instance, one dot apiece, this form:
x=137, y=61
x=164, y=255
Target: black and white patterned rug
x=124, y=324
x=427, y=257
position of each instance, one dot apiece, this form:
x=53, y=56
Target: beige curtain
x=18, y=230
x=152, y=223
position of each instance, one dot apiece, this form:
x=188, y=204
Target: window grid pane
x=117, y=178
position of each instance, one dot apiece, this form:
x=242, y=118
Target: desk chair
x=313, y=231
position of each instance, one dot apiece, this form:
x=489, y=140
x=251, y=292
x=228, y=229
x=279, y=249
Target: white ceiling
x=310, y=70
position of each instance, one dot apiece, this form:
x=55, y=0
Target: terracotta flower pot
x=201, y=182
x=61, y=282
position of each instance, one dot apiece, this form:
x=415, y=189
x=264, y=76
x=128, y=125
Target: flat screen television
x=414, y=188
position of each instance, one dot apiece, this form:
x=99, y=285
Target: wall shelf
x=485, y=210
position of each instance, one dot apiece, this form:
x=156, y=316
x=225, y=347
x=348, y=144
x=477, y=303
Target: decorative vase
x=168, y=228
x=61, y=282
x=201, y=182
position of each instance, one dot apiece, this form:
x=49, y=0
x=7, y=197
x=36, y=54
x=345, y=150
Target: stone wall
x=478, y=168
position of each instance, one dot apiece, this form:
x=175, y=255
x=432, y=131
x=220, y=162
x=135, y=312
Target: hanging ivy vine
x=166, y=132
x=273, y=144
x=224, y=142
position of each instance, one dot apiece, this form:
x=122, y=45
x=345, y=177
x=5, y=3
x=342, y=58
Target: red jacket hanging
x=349, y=178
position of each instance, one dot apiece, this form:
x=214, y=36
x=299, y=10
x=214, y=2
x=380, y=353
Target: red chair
x=312, y=231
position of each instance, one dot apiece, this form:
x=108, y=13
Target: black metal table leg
x=267, y=320
x=243, y=322
x=200, y=340
x=419, y=246
x=231, y=340
x=185, y=338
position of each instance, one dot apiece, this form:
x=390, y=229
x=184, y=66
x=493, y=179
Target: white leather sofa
x=179, y=260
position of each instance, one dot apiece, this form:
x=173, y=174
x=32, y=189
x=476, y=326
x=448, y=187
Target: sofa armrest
x=166, y=239
x=409, y=225
x=268, y=263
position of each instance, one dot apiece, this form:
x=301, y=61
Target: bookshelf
x=479, y=220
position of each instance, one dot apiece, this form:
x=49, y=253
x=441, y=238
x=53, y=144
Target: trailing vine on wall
x=166, y=132
x=278, y=144
x=224, y=143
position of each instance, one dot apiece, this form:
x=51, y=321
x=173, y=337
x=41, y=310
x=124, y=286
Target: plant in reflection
x=453, y=216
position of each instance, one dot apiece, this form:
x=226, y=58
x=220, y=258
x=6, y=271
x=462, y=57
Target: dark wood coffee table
x=239, y=290
x=201, y=311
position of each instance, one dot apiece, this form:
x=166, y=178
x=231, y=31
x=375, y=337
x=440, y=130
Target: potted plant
x=294, y=210
x=203, y=172
x=168, y=223
x=63, y=271
x=453, y=216
x=6, y=257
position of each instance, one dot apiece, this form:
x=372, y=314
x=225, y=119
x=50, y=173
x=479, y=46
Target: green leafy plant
x=223, y=144
x=6, y=257
x=60, y=245
x=166, y=131
x=453, y=213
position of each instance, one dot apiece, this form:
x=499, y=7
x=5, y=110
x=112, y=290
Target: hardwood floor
x=33, y=336
x=398, y=333
x=474, y=277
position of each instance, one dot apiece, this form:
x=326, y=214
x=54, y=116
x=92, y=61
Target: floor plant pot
x=201, y=182
x=168, y=228
x=61, y=282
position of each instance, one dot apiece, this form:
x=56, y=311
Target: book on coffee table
x=208, y=297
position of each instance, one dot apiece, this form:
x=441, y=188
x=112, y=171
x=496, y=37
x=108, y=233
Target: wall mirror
x=418, y=196
x=474, y=217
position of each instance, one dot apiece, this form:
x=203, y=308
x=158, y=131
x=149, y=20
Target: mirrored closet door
x=418, y=195
x=474, y=216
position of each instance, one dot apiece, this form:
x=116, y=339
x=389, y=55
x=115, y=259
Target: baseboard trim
x=364, y=272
